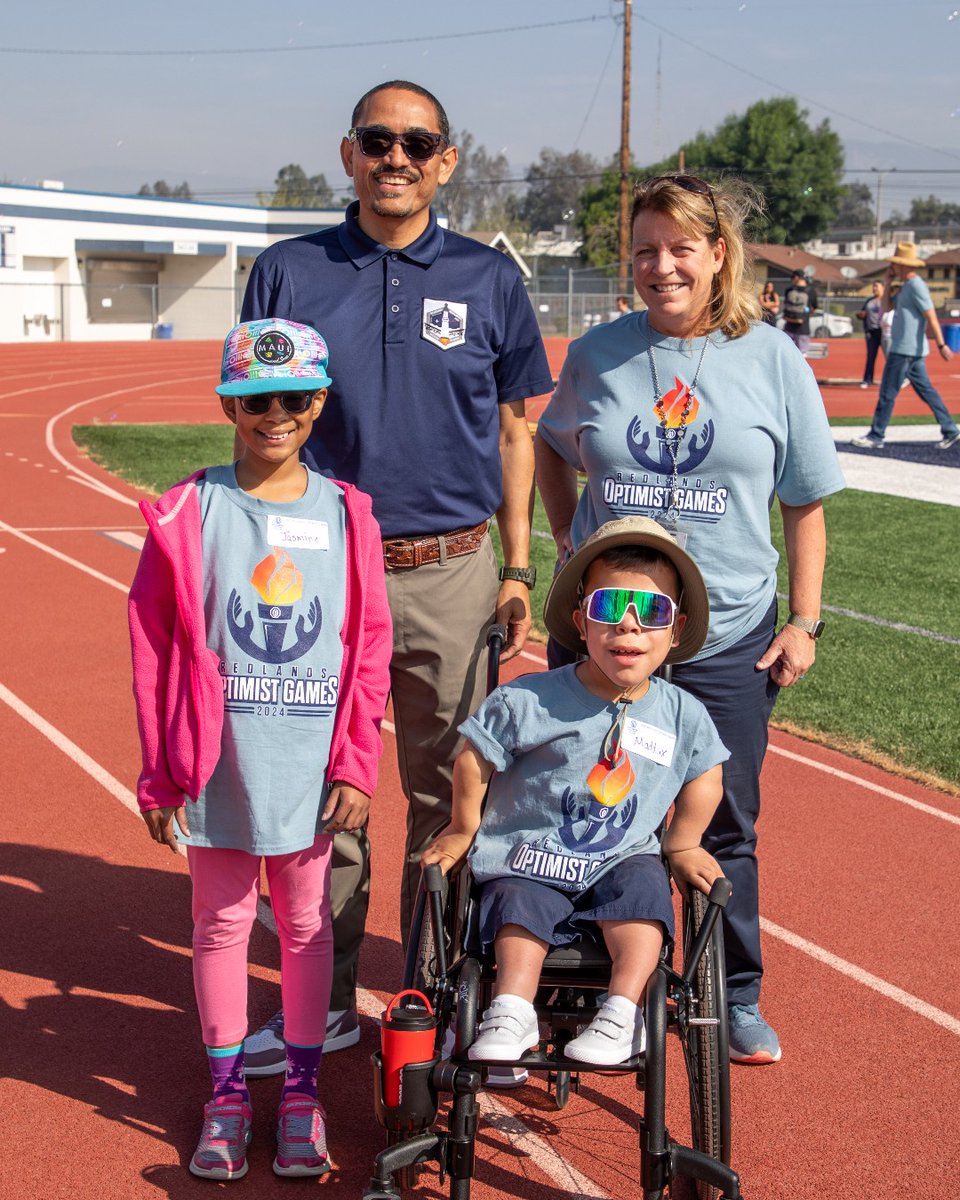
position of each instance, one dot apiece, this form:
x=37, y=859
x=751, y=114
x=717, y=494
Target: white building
x=80, y=266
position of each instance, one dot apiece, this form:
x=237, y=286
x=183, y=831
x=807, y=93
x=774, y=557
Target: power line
x=326, y=46
x=797, y=95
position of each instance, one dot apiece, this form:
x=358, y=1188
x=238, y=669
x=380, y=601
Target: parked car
x=826, y=324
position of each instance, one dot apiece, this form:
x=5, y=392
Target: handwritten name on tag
x=298, y=533
x=648, y=741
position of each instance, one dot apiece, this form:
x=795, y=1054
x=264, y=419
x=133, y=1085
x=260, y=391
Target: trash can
x=951, y=335
x=164, y=332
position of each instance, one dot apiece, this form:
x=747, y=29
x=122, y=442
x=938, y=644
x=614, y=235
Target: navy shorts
x=636, y=889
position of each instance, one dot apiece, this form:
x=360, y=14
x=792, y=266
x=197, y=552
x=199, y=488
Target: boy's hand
x=346, y=809
x=160, y=823
x=446, y=850
x=694, y=867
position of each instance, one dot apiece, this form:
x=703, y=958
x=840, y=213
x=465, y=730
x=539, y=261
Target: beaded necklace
x=673, y=435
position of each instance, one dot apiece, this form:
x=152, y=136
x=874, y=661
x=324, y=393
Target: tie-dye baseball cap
x=273, y=356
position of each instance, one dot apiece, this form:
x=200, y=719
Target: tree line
x=797, y=169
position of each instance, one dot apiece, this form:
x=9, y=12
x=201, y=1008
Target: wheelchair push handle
x=432, y=878
x=496, y=640
x=720, y=893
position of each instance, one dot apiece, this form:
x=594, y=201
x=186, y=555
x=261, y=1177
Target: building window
x=6, y=246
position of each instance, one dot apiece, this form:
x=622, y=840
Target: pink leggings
x=226, y=887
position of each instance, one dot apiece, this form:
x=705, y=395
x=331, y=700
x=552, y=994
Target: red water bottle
x=407, y=1035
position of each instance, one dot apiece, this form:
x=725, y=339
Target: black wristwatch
x=814, y=628
x=527, y=575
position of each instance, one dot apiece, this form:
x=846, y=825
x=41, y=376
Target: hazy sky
x=886, y=73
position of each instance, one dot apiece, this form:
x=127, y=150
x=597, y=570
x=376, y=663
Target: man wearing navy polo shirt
x=434, y=349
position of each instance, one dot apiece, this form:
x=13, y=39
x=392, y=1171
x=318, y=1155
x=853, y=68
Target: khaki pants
x=441, y=612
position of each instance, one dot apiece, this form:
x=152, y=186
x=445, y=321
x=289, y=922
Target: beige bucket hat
x=564, y=595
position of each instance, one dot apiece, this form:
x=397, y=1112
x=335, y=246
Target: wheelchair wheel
x=706, y=1048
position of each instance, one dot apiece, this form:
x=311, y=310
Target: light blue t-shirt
x=274, y=581
x=909, y=333
x=758, y=430
x=548, y=816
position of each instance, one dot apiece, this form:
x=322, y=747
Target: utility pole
x=623, y=240
x=876, y=234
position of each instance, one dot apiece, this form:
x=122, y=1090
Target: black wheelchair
x=446, y=963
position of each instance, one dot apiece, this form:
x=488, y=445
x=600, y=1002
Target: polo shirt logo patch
x=444, y=323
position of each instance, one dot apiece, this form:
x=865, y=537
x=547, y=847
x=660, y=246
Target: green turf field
x=887, y=694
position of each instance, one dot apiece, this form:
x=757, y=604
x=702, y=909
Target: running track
x=102, y=1075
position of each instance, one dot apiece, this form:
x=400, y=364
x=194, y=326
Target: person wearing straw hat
x=583, y=764
x=914, y=315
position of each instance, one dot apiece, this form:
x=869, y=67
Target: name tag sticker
x=648, y=741
x=298, y=532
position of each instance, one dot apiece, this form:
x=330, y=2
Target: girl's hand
x=446, y=850
x=346, y=809
x=693, y=867
x=160, y=823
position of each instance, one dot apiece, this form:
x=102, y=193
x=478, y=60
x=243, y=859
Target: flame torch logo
x=280, y=585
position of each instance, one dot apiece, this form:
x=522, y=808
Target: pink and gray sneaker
x=301, y=1138
x=221, y=1152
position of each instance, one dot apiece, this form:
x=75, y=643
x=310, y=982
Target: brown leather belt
x=400, y=554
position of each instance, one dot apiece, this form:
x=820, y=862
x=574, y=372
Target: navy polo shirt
x=425, y=343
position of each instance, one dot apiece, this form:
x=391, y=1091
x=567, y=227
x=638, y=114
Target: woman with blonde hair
x=697, y=414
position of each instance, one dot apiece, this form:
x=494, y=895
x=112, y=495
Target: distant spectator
x=623, y=305
x=770, y=303
x=913, y=316
x=799, y=301
x=886, y=320
x=872, y=317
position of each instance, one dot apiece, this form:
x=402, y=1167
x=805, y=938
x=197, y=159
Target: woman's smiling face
x=674, y=274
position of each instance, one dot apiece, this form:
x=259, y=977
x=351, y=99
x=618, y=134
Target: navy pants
x=739, y=699
x=872, y=339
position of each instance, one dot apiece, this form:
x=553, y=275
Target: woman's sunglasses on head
x=652, y=610
x=375, y=142
x=699, y=187
x=294, y=403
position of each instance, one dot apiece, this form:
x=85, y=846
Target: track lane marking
x=847, y=777
x=865, y=978
x=73, y=562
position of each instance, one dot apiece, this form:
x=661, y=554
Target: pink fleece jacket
x=176, y=679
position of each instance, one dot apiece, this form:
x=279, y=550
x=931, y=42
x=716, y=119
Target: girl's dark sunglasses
x=375, y=142
x=294, y=403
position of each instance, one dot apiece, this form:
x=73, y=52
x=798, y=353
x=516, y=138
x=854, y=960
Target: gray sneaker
x=751, y=1038
x=948, y=440
x=867, y=442
x=264, y=1052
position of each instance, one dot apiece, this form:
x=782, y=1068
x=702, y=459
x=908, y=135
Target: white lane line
x=5, y=528
x=71, y=750
x=847, y=777
x=124, y=537
x=77, y=473
x=859, y=975
x=884, y=623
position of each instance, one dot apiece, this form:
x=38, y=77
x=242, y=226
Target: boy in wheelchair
x=583, y=764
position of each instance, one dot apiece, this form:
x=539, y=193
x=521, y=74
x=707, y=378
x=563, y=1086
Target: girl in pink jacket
x=261, y=647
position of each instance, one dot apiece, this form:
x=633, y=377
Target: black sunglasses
x=700, y=187
x=294, y=403
x=375, y=142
